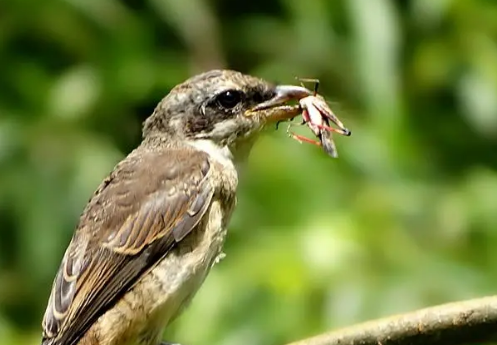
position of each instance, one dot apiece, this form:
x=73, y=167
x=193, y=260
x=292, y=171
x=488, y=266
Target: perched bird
x=154, y=227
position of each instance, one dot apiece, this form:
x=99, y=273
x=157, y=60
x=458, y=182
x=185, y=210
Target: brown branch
x=473, y=321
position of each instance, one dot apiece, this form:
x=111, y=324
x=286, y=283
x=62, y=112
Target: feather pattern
x=147, y=204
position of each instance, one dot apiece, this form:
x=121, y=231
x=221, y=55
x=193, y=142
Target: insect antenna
x=309, y=80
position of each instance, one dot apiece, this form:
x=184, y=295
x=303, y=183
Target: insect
x=316, y=114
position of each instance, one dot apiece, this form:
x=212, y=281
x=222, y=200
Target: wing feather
x=149, y=203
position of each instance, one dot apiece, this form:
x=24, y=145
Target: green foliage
x=405, y=218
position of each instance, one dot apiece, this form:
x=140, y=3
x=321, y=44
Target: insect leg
x=300, y=138
x=341, y=131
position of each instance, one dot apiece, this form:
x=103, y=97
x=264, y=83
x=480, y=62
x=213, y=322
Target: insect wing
x=314, y=110
x=323, y=108
x=327, y=142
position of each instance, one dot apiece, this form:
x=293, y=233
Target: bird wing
x=149, y=203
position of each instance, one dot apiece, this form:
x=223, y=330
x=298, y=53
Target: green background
x=405, y=218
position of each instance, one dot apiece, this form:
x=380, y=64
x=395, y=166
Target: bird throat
x=230, y=157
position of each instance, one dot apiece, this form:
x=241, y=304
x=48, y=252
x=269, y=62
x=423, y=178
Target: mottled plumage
x=153, y=229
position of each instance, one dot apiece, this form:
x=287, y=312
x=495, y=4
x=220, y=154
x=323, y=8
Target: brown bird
x=156, y=225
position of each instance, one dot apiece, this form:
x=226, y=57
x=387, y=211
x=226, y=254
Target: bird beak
x=276, y=109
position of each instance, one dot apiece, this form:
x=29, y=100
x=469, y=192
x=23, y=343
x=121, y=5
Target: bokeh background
x=405, y=218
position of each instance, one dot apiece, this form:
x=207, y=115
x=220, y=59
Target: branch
x=472, y=321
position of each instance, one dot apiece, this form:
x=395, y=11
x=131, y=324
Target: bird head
x=223, y=107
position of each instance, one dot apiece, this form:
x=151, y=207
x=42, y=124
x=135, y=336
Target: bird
x=156, y=225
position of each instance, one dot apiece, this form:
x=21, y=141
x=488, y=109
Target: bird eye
x=229, y=99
